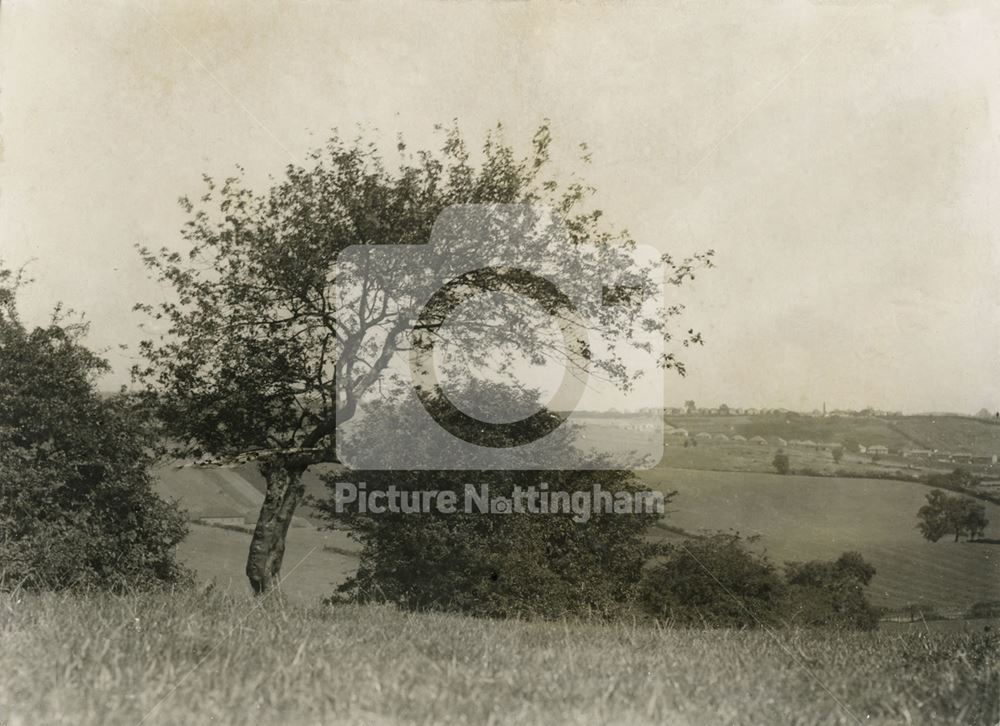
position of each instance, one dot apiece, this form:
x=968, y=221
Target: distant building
x=782, y=442
x=721, y=437
x=739, y=437
x=703, y=435
x=917, y=453
x=758, y=440
x=878, y=450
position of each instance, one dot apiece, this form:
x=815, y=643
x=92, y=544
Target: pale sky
x=842, y=159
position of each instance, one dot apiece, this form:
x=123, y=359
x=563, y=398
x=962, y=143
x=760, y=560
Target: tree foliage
x=781, y=462
x=948, y=514
x=493, y=564
x=253, y=352
x=719, y=581
x=77, y=506
x=715, y=581
x=831, y=594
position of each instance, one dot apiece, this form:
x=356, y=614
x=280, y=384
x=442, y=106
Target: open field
x=796, y=517
x=802, y=518
x=310, y=570
x=192, y=658
x=230, y=491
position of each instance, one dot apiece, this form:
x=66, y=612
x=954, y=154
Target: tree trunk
x=267, y=548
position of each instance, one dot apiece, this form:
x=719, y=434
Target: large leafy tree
x=77, y=507
x=259, y=352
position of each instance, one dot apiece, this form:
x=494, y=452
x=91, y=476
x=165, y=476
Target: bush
x=960, y=478
x=493, y=565
x=713, y=582
x=719, y=582
x=77, y=508
x=780, y=462
x=824, y=593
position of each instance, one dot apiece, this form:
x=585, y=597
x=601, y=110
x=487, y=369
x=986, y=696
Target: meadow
x=213, y=658
x=213, y=654
x=803, y=518
x=796, y=518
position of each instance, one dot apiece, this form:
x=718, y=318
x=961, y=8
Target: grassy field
x=314, y=562
x=796, y=517
x=801, y=518
x=212, y=658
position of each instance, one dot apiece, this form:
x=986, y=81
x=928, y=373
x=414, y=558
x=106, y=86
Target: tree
x=724, y=409
x=260, y=352
x=77, y=507
x=945, y=514
x=838, y=453
x=544, y=563
x=780, y=462
x=690, y=407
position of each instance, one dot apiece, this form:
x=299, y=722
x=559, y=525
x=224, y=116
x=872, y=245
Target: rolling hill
x=803, y=518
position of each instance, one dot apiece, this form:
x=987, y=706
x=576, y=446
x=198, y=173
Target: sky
x=842, y=159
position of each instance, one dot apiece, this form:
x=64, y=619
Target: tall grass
x=209, y=658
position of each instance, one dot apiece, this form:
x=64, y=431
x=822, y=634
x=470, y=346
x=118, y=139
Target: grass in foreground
x=211, y=658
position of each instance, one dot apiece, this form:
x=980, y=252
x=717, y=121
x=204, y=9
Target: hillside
x=802, y=518
x=944, y=433
x=189, y=658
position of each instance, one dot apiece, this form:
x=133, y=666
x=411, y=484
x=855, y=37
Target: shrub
x=824, y=593
x=715, y=582
x=960, y=478
x=77, y=506
x=719, y=582
x=780, y=462
x=493, y=565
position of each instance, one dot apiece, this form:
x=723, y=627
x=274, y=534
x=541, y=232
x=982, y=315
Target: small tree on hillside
x=838, y=454
x=259, y=351
x=77, y=506
x=945, y=514
x=780, y=462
